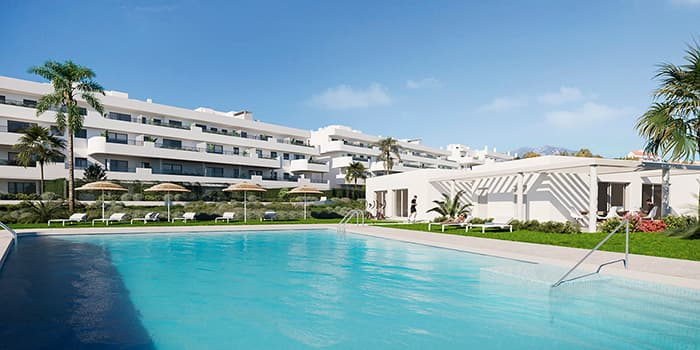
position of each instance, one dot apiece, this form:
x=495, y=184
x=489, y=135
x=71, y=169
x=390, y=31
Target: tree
x=388, y=150
x=451, y=207
x=94, y=172
x=584, y=153
x=38, y=145
x=671, y=126
x=564, y=153
x=530, y=154
x=355, y=171
x=69, y=81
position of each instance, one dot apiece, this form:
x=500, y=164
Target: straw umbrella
x=245, y=187
x=167, y=188
x=304, y=189
x=101, y=186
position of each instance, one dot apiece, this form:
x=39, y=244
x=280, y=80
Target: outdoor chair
x=151, y=216
x=75, y=218
x=185, y=217
x=268, y=215
x=228, y=216
x=116, y=217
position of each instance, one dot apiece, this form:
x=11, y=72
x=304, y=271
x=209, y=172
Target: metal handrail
x=11, y=231
x=625, y=261
x=356, y=213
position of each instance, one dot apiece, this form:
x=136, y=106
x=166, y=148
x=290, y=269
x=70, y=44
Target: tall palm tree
x=671, y=126
x=69, y=81
x=388, y=150
x=354, y=172
x=39, y=145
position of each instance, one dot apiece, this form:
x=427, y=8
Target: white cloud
x=589, y=113
x=563, y=96
x=500, y=104
x=347, y=97
x=423, y=83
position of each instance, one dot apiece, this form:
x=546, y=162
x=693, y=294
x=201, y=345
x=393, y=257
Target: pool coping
x=674, y=272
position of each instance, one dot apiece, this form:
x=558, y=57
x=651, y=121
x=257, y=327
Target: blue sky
x=498, y=73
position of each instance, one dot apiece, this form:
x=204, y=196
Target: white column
x=593, y=198
x=665, y=191
x=452, y=189
x=520, y=193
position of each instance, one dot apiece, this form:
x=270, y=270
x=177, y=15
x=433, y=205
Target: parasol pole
x=167, y=203
x=304, y=206
x=245, y=207
x=103, y=204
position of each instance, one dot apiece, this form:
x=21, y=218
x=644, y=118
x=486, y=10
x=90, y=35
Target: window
x=244, y=134
x=174, y=144
x=201, y=126
x=299, y=156
x=285, y=176
x=146, y=165
x=212, y=148
x=29, y=103
x=224, y=131
x=213, y=129
x=81, y=134
x=254, y=172
x=175, y=123
x=285, y=156
x=258, y=152
x=2, y=99
x=119, y=116
x=12, y=158
x=21, y=187
x=236, y=173
x=273, y=154
x=18, y=127
x=157, y=121
x=114, y=137
x=118, y=165
x=215, y=172
x=80, y=163
x=55, y=132
x=169, y=168
x=82, y=111
x=236, y=150
x=651, y=197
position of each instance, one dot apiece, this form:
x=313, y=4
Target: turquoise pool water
x=318, y=290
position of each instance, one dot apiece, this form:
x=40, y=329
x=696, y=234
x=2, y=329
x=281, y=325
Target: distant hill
x=542, y=150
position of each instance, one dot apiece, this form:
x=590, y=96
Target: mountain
x=542, y=150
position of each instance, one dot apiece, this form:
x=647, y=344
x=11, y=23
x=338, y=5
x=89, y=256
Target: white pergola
x=593, y=167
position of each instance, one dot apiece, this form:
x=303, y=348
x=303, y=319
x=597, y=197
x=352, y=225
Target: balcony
x=346, y=147
x=345, y=161
x=99, y=145
x=398, y=167
x=306, y=165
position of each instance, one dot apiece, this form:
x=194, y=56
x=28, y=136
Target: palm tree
x=671, y=126
x=388, y=150
x=94, y=172
x=355, y=171
x=38, y=145
x=451, y=207
x=69, y=82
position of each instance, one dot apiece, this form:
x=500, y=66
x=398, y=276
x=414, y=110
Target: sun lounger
x=150, y=216
x=268, y=215
x=78, y=217
x=116, y=217
x=490, y=225
x=228, y=216
x=186, y=216
x=447, y=224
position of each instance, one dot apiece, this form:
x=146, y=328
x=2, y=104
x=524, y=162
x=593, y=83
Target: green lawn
x=654, y=244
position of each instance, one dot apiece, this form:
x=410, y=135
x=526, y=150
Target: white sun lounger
x=228, y=216
x=186, y=216
x=268, y=215
x=490, y=225
x=150, y=216
x=116, y=217
x=77, y=217
x=447, y=224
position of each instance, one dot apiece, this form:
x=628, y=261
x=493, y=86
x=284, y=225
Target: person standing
x=414, y=203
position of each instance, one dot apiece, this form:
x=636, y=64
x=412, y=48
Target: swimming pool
x=316, y=289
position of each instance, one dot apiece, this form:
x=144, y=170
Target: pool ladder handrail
x=625, y=260
x=11, y=231
x=357, y=214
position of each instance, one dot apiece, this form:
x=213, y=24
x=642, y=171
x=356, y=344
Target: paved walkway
x=681, y=273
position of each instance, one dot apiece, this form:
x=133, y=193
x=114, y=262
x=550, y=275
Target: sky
x=505, y=74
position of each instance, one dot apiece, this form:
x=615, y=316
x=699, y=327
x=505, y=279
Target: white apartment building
x=341, y=146
x=150, y=142
x=467, y=157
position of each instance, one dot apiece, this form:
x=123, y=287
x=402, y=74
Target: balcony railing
x=180, y=148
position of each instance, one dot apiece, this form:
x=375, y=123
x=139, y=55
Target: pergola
x=593, y=167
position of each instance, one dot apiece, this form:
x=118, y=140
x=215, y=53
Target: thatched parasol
x=244, y=187
x=167, y=188
x=101, y=186
x=304, y=189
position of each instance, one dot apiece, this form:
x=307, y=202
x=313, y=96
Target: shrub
x=651, y=226
x=137, y=197
x=682, y=222
x=441, y=219
x=481, y=220
x=609, y=225
x=547, y=226
x=126, y=197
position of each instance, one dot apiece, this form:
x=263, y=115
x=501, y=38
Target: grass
x=653, y=244
x=175, y=224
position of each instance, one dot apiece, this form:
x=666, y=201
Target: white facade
x=341, y=146
x=145, y=141
x=545, y=188
x=467, y=157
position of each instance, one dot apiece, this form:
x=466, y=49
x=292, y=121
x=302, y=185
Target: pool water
x=317, y=289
